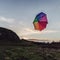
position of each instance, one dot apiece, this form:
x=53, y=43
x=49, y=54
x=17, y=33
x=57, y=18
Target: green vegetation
x=28, y=53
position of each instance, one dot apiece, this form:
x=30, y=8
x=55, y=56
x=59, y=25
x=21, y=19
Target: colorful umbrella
x=40, y=22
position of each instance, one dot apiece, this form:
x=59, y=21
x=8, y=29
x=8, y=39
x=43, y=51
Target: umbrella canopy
x=40, y=22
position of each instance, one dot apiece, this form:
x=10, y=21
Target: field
x=28, y=52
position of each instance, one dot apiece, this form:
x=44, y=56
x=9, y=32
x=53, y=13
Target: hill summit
x=7, y=35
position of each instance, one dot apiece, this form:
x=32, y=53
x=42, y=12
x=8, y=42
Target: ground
x=32, y=52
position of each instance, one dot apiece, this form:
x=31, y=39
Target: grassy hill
x=13, y=48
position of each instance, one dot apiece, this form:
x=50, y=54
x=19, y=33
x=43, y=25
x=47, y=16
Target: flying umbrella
x=40, y=22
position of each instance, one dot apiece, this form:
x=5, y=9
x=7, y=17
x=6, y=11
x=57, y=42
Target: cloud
x=8, y=20
x=28, y=31
x=46, y=35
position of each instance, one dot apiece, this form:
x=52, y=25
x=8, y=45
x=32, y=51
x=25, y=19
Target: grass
x=28, y=53
x=27, y=50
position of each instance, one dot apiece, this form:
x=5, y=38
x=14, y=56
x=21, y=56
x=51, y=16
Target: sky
x=18, y=16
